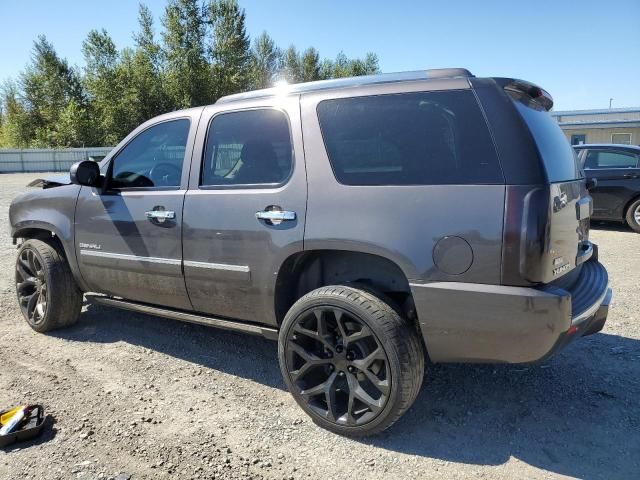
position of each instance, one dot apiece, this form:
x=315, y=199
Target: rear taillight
x=525, y=234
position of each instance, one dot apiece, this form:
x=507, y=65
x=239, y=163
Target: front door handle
x=160, y=215
x=276, y=216
x=630, y=175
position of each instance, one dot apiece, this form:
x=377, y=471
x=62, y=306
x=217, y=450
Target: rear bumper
x=465, y=322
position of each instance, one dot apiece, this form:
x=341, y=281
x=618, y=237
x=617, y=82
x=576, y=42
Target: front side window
x=424, y=138
x=603, y=159
x=152, y=159
x=252, y=147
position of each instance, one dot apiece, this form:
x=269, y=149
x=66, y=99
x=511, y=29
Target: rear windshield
x=425, y=138
x=560, y=160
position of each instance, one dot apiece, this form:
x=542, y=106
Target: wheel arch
x=633, y=199
x=307, y=270
x=50, y=233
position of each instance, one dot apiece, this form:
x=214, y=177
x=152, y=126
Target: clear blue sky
x=582, y=51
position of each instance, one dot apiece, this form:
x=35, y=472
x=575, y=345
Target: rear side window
x=603, y=159
x=424, y=138
x=559, y=158
x=252, y=147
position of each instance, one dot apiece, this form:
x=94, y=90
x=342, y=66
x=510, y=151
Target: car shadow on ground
x=610, y=226
x=577, y=414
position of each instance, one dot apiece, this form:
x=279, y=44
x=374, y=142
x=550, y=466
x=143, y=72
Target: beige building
x=614, y=125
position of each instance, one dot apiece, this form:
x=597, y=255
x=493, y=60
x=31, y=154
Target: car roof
x=339, y=83
x=623, y=146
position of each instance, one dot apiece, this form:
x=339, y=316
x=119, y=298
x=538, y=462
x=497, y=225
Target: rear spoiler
x=518, y=88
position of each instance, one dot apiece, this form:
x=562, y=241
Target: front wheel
x=350, y=360
x=47, y=292
x=633, y=215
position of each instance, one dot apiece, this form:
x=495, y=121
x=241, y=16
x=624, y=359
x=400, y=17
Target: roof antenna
x=610, y=100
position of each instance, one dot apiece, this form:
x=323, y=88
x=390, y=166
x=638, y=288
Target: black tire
x=360, y=344
x=633, y=215
x=48, y=295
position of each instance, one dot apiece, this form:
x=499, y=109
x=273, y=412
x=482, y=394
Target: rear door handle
x=276, y=216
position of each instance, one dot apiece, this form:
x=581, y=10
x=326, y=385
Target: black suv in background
x=616, y=195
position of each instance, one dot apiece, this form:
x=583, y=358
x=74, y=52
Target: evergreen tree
x=291, y=70
x=48, y=84
x=265, y=59
x=16, y=132
x=102, y=86
x=147, y=70
x=310, y=68
x=187, y=73
x=230, y=47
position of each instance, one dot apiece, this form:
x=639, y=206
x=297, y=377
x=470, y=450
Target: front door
x=618, y=179
x=129, y=234
x=245, y=208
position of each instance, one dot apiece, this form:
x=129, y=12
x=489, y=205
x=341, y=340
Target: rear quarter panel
x=400, y=223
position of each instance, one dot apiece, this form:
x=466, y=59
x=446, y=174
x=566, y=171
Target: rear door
x=129, y=235
x=618, y=179
x=245, y=209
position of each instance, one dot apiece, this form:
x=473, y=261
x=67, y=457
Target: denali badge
x=92, y=246
x=558, y=261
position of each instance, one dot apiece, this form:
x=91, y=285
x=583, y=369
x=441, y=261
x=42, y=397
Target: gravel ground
x=142, y=397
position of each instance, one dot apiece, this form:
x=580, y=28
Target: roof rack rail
x=435, y=73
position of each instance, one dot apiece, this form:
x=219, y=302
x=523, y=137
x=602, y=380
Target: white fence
x=47, y=160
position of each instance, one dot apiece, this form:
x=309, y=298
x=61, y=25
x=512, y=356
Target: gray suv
x=367, y=224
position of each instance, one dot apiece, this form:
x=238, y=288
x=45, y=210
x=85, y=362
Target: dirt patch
x=139, y=396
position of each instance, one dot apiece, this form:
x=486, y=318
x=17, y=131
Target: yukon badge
x=560, y=266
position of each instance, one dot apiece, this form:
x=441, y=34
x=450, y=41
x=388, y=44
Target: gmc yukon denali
x=366, y=224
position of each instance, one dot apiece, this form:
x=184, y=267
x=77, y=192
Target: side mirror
x=591, y=183
x=86, y=172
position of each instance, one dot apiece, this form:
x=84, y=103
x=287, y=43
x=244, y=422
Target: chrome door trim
x=136, y=258
x=217, y=266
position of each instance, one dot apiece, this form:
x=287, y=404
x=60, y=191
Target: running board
x=267, y=332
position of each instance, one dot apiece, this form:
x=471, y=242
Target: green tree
x=310, y=65
x=186, y=76
x=47, y=85
x=291, y=70
x=230, y=47
x=265, y=60
x=147, y=70
x=103, y=88
x=15, y=132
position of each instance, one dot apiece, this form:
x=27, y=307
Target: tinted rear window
x=559, y=158
x=424, y=138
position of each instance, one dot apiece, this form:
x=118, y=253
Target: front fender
x=51, y=210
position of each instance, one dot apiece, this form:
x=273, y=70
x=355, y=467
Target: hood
x=51, y=181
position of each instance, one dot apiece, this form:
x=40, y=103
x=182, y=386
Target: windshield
x=560, y=160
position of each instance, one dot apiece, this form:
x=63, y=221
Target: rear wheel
x=47, y=292
x=633, y=215
x=350, y=361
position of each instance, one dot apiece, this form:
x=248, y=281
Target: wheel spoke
x=31, y=304
x=364, y=332
x=27, y=282
x=23, y=271
x=308, y=356
x=368, y=400
x=364, y=363
x=343, y=333
x=330, y=398
x=381, y=385
x=321, y=388
x=315, y=335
